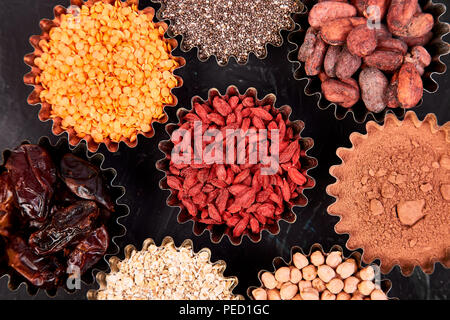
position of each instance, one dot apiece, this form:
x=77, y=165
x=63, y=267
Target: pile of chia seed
x=225, y=28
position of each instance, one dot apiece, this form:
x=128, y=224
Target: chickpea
x=377, y=294
x=309, y=272
x=351, y=284
x=268, y=280
x=300, y=261
x=273, y=294
x=367, y=273
x=357, y=296
x=327, y=295
x=303, y=284
x=325, y=273
x=296, y=275
x=334, y=259
x=279, y=285
x=366, y=287
x=283, y=274
x=346, y=269
x=317, y=258
x=309, y=294
x=318, y=284
x=335, y=286
x=343, y=296
x=297, y=297
x=288, y=291
x=259, y=294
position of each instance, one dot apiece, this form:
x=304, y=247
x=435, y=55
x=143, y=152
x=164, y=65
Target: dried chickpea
x=300, y=261
x=346, y=269
x=296, y=275
x=259, y=294
x=304, y=284
x=343, y=296
x=325, y=273
x=279, y=285
x=317, y=258
x=327, y=295
x=309, y=272
x=366, y=287
x=283, y=274
x=367, y=273
x=377, y=294
x=357, y=296
x=351, y=284
x=288, y=291
x=95, y=72
x=273, y=294
x=318, y=284
x=334, y=259
x=297, y=297
x=335, y=286
x=309, y=294
x=269, y=280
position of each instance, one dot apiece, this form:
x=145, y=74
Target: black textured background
x=150, y=216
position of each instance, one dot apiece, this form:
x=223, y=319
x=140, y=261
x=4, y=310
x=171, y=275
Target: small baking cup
x=437, y=48
x=45, y=112
x=278, y=262
x=114, y=264
x=203, y=57
x=405, y=251
x=217, y=232
x=115, y=229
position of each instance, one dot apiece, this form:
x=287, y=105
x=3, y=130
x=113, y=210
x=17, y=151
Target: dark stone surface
x=150, y=216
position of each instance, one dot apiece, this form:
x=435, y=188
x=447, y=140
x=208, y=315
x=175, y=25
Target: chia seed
x=225, y=28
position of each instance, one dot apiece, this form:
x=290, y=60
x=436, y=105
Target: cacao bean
x=340, y=92
x=347, y=64
x=373, y=84
x=362, y=41
x=329, y=10
x=410, y=86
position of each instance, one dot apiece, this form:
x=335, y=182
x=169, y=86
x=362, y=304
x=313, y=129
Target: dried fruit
x=236, y=193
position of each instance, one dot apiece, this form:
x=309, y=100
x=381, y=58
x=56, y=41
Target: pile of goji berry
x=238, y=195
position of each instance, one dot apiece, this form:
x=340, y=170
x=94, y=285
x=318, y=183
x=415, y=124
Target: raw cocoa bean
x=417, y=41
x=307, y=47
x=329, y=10
x=400, y=14
x=391, y=44
x=340, y=92
x=362, y=41
x=330, y=61
x=383, y=32
x=313, y=64
x=420, y=57
x=388, y=61
x=391, y=93
x=373, y=84
x=420, y=25
x=347, y=64
x=410, y=86
x=335, y=32
x=363, y=5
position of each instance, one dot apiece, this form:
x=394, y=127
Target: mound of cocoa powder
x=393, y=194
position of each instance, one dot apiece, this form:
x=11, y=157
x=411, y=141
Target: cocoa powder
x=392, y=193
